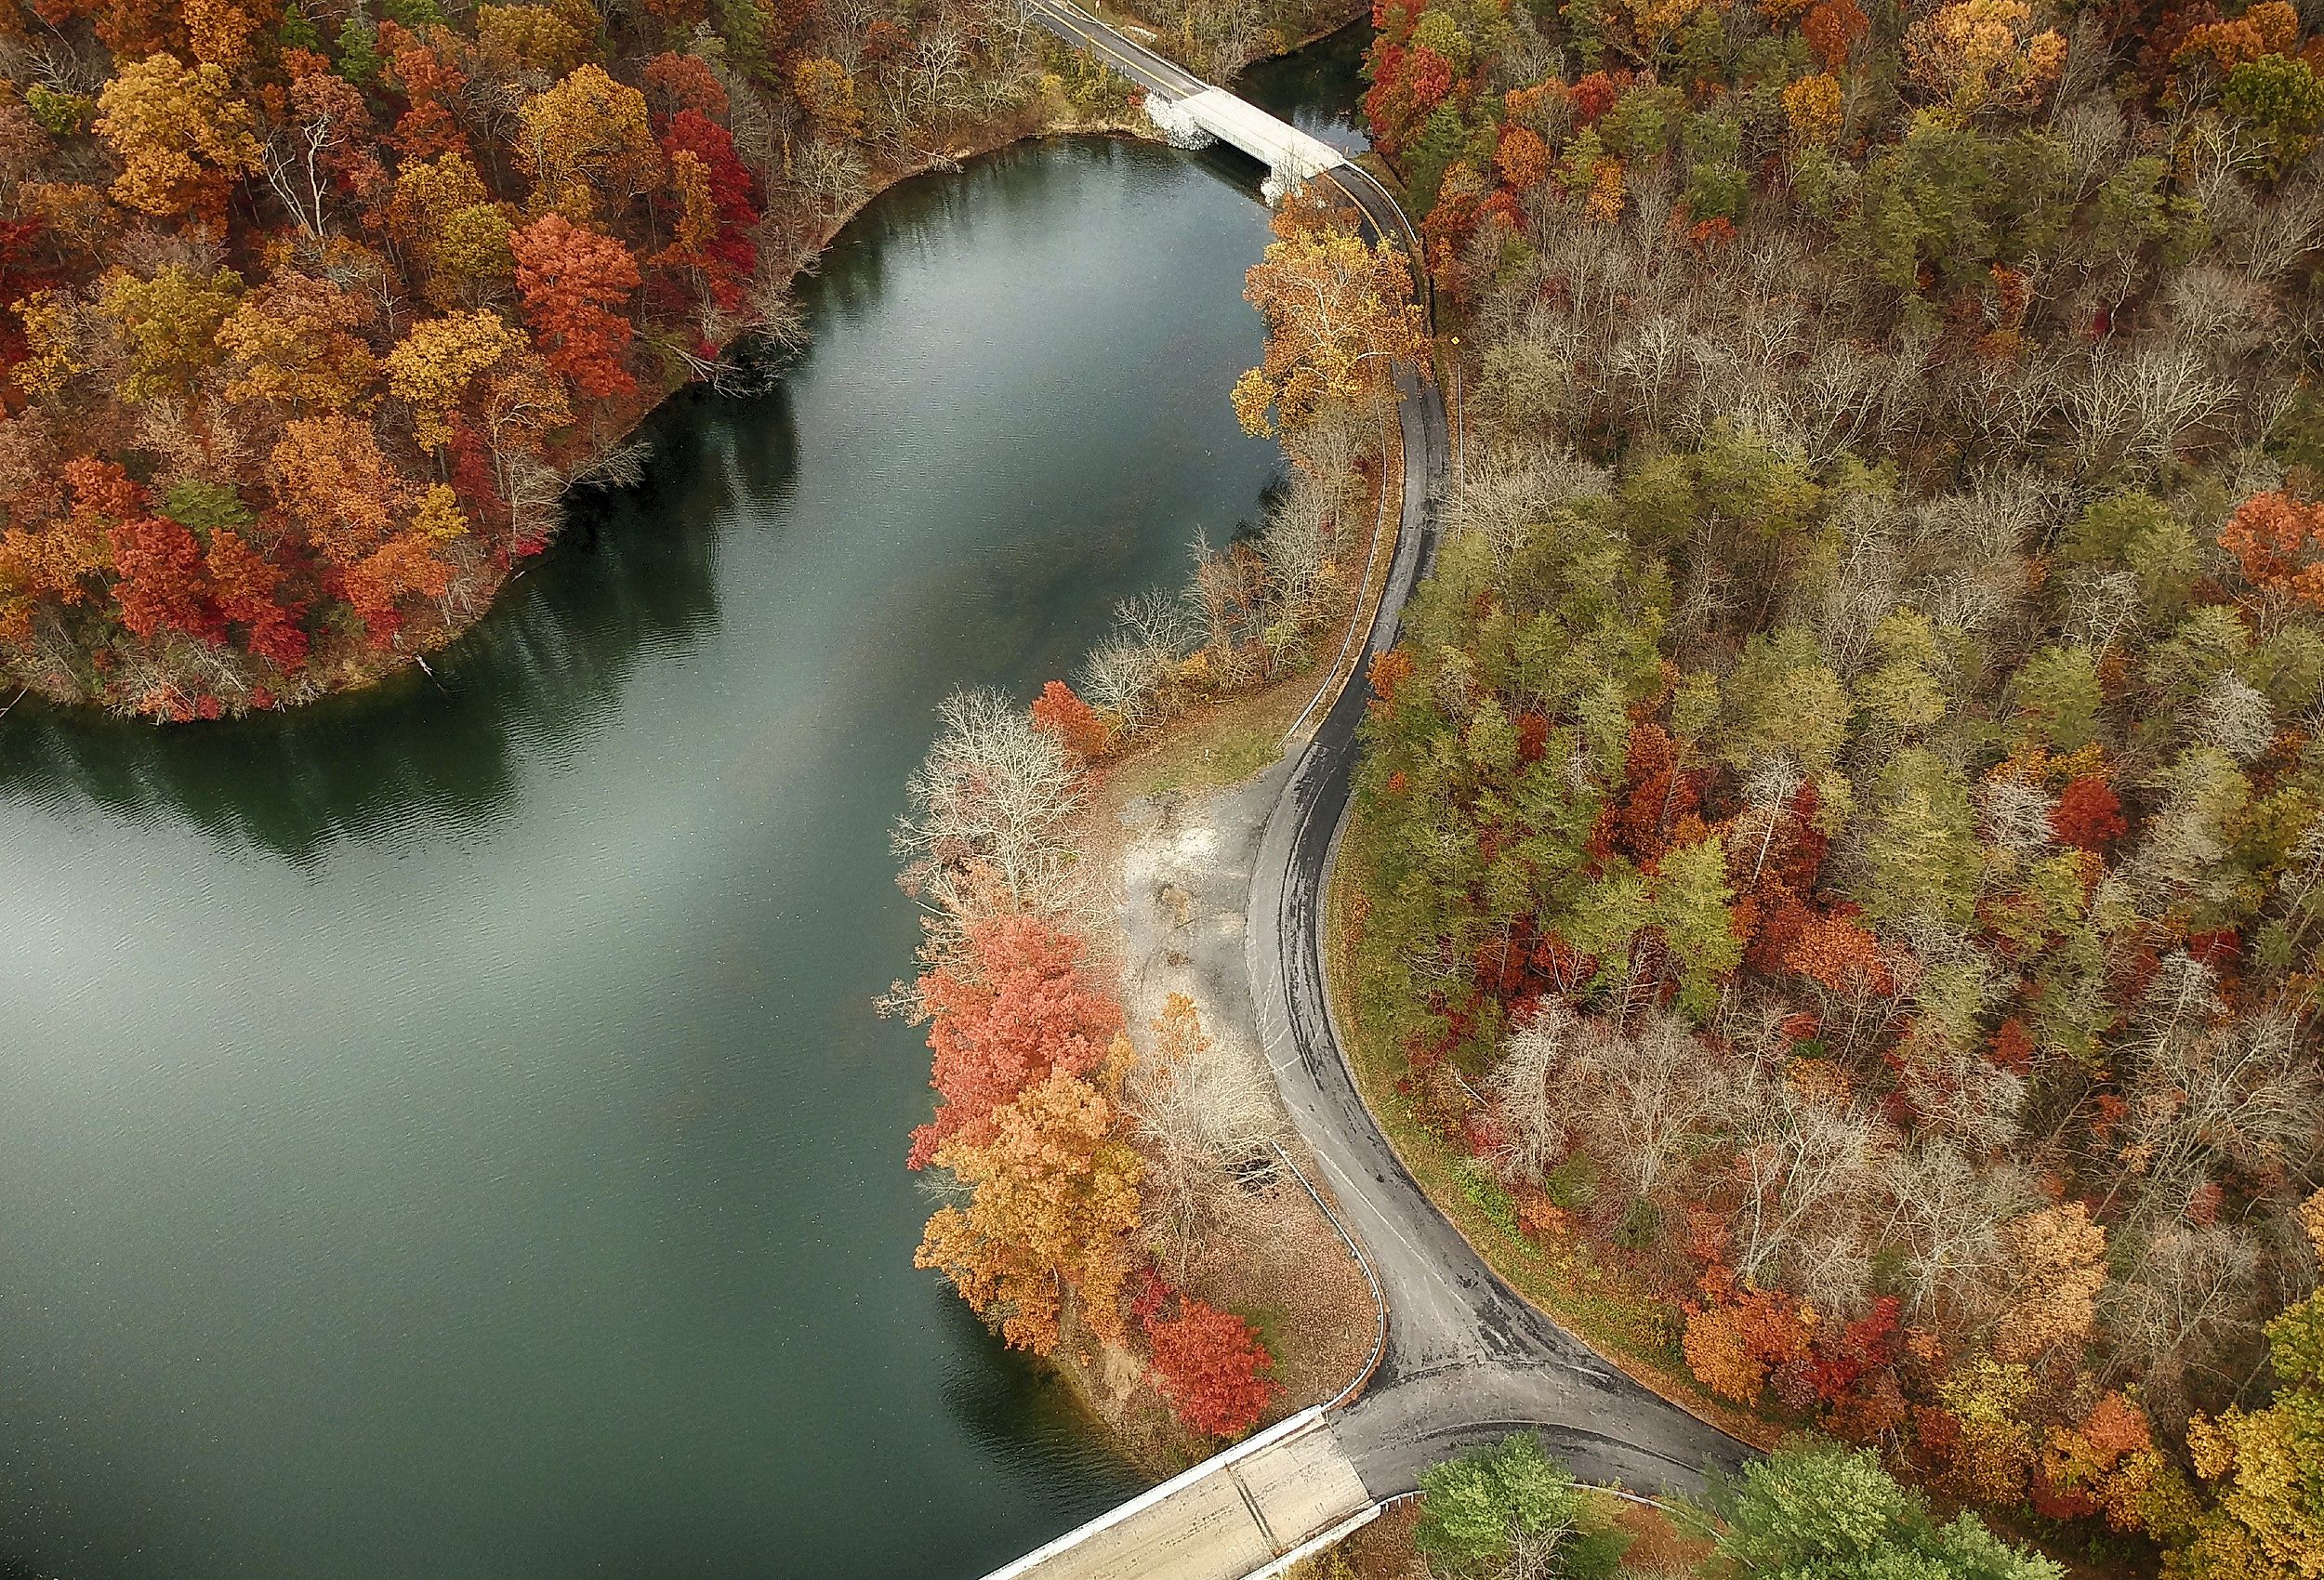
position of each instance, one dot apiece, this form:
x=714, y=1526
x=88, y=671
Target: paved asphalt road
x=1135, y=61
x=1467, y=1358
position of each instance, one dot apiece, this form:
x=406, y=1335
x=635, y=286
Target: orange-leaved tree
x=296, y=344
x=1078, y=726
x=1052, y=1203
x=2060, y=1255
x=1016, y=1007
x=337, y=485
x=1983, y=54
x=2279, y=541
x=573, y=280
x=182, y=137
x=1339, y=312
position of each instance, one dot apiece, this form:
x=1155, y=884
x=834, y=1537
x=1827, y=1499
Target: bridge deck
x=1181, y=103
x=1234, y=1516
x=1281, y=147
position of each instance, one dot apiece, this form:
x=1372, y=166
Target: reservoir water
x=444, y=1131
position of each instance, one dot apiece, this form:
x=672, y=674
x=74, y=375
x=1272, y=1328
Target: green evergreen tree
x=1442, y=138
x=1693, y=905
x=359, y=52
x=2057, y=696
x=1784, y=699
x=299, y=32
x=1826, y=1513
x=2279, y=104
x=1922, y=847
x=1512, y=1512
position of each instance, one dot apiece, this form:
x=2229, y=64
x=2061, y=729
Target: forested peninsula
x=1831, y=907
x=312, y=311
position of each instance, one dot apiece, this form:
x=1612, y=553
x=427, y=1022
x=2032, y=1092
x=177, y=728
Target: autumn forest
x=1839, y=837
x=1842, y=829
x=1834, y=893
x=311, y=313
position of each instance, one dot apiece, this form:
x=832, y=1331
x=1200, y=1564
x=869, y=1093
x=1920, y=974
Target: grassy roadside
x=1220, y=744
x=1626, y=1325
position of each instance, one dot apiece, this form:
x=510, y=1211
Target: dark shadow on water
x=1318, y=89
x=416, y=756
x=633, y=570
x=1020, y=1407
x=1014, y=1399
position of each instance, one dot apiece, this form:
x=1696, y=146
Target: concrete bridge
x=1462, y=1358
x=1192, y=112
x=1253, y=1511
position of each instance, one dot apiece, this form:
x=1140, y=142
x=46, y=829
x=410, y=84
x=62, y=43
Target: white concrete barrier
x=1291, y=153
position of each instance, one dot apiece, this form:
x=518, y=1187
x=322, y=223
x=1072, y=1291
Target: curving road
x=1467, y=1358
x=1149, y=71
x=1464, y=1359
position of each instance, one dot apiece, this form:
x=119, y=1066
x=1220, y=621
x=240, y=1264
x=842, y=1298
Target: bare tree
x=1154, y=631
x=1201, y=1111
x=1808, y=1167
x=984, y=827
x=1944, y=1215
x=1644, y=1098
x=1513, y=487
x=830, y=176
x=2014, y=814
x=1524, y=1086
x=2285, y=227
x=2188, y=1295
x=2234, y=716
x=1299, y=540
x=2136, y=407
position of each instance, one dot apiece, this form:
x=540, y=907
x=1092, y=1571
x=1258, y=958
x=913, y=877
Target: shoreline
x=359, y=672
x=1177, y=783
x=987, y=141
x=604, y=435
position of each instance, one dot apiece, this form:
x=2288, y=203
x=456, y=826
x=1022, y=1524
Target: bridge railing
x=1290, y=1426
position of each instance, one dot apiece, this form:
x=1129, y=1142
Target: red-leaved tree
x=158, y=580
x=1019, y=1008
x=1212, y=1368
x=2088, y=814
x=574, y=279
x=243, y=582
x=1060, y=712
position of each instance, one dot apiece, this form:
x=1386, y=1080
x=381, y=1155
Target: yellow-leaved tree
x=1339, y=315
x=587, y=145
x=1053, y=1203
x=180, y=134
x=433, y=367
x=2268, y=1466
x=1980, y=55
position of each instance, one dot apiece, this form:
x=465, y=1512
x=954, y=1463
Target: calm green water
x=442, y=1132
x=1317, y=88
